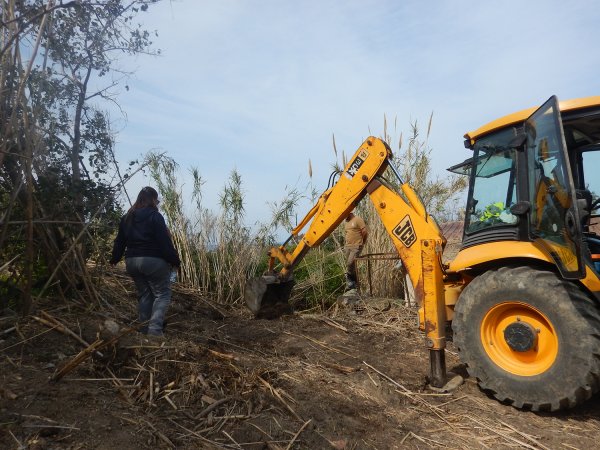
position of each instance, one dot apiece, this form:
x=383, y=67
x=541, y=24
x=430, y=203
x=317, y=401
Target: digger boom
x=416, y=237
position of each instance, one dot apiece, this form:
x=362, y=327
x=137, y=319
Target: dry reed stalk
x=526, y=436
x=85, y=353
x=232, y=439
x=273, y=446
x=424, y=440
x=410, y=394
x=58, y=326
x=78, y=359
x=334, y=324
x=24, y=339
x=380, y=274
x=276, y=393
x=8, y=331
x=321, y=344
x=159, y=434
x=55, y=321
x=212, y=407
x=342, y=369
x=505, y=435
x=453, y=400
x=376, y=324
x=289, y=446
x=120, y=387
x=222, y=355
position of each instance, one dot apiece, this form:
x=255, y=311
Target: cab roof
x=520, y=116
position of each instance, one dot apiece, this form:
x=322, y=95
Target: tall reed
x=218, y=252
x=439, y=195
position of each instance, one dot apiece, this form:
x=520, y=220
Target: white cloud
x=261, y=86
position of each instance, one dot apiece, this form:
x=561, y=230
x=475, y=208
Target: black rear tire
x=568, y=375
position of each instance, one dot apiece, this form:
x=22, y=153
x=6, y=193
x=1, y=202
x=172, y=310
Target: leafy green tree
x=57, y=164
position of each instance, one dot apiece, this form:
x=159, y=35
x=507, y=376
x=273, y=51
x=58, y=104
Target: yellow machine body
x=528, y=271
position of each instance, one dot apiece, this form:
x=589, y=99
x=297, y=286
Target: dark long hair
x=146, y=198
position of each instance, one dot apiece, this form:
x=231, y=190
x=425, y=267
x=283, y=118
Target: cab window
x=493, y=172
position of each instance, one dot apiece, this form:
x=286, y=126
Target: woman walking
x=149, y=258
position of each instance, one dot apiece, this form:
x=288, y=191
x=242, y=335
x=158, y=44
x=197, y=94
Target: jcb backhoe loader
x=523, y=292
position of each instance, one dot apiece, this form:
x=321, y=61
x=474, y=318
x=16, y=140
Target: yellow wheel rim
x=532, y=362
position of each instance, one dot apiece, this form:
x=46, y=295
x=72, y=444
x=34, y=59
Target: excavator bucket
x=267, y=296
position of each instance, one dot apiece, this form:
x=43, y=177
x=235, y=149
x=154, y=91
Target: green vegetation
x=58, y=175
x=219, y=251
x=59, y=180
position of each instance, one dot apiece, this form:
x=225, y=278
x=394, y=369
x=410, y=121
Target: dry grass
x=347, y=379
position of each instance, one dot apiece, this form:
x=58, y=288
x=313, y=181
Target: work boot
x=154, y=339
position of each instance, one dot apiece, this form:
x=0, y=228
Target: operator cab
x=535, y=176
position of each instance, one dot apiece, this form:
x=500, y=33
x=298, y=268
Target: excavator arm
x=370, y=160
x=416, y=236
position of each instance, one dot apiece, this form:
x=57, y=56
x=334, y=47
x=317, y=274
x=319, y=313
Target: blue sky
x=261, y=86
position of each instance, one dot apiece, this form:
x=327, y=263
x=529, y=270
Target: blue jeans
x=151, y=277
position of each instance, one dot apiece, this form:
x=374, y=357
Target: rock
x=7, y=393
x=349, y=298
x=109, y=329
x=339, y=445
x=111, y=326
x=38, y=443
x=452, y=384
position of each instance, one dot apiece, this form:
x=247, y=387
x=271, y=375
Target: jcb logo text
x=358, y=161
x=405, y=232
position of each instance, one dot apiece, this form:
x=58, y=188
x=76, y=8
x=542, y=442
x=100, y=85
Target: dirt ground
x=353, y=378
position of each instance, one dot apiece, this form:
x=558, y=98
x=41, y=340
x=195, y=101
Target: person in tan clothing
x=355, y=238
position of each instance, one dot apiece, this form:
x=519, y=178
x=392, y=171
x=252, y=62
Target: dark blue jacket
x=144, y=234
